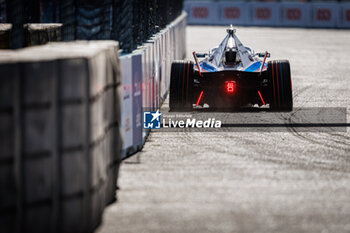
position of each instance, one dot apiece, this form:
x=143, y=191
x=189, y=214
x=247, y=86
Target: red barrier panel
x=266, y=14
x=324, y=14
x=295, y=14
x=236, y=13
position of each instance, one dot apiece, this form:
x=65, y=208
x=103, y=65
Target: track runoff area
x=240, y=179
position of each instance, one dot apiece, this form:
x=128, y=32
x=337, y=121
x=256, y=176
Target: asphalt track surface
x=286, y=181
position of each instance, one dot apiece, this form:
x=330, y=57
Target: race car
x=231, y=76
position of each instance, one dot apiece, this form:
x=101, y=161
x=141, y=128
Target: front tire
x=281, y=98
x=181, y=84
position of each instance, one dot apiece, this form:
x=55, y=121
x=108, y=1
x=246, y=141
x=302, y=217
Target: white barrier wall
x=146, y=79
x=126, y=107
x=281, y=14
x=162, y=66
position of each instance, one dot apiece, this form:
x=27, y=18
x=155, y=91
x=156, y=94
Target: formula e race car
x=230, y=76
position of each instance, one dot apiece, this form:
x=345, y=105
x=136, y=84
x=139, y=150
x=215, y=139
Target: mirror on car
x=263, y=54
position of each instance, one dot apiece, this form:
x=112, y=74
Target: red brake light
x=230, y=86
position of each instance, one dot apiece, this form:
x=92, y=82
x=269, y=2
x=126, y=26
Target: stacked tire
x=60, y=138
x=38, y=34
x=281, y=98
x=5, y=36
x=35, y=34
x=181, y=84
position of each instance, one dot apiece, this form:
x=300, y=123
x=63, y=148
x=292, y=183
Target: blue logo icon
x=151, y=120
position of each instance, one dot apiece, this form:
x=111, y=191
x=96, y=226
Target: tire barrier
x=131, y=22
x=35, y=34
x=146, y=79
x=5, y=36
x=38, y=34
x=60, y=135
x=281, y=14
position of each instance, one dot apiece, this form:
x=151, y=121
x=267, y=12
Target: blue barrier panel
x=265, y=14
x=289, y=14
x=324, y=14
x=344, y=19
x=236, y=13
x=137, y=99
x=202, y=12
x=295, y=14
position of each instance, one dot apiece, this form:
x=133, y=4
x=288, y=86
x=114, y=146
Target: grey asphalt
x=228, y=181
